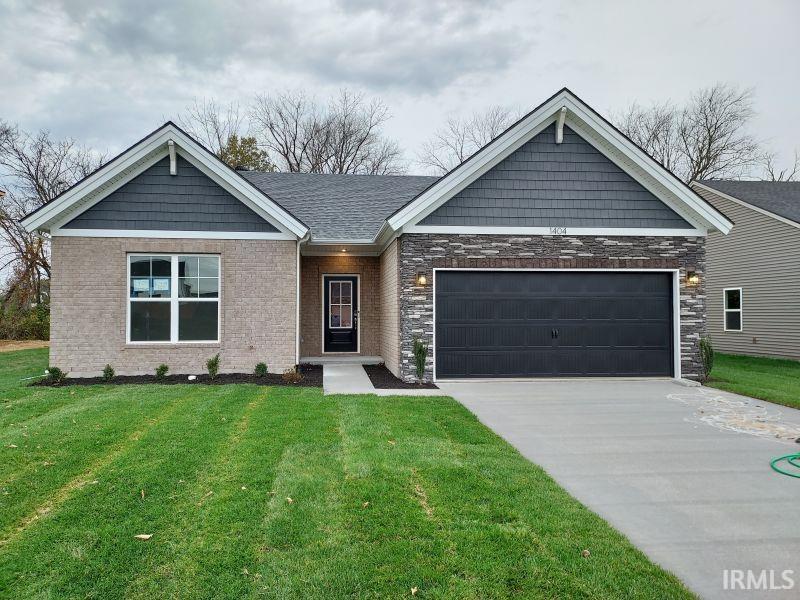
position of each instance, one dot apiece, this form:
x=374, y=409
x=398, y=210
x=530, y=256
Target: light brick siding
x=390, y=309
x=423, y=252
x=312, y=268
x=89, y=297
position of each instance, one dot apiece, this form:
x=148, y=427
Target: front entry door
x=340, y=313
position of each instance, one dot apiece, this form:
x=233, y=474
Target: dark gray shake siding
x=187, y=201
x=544, y=184
x=423, y=252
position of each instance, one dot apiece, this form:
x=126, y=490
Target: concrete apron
x=682, y=472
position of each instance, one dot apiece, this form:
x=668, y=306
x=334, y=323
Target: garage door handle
x=555, y=333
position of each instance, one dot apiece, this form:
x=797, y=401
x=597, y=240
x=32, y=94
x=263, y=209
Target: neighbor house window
x=733, y=309
x=173, y=298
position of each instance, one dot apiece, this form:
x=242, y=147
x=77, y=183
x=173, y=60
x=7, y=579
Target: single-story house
x=560, y=249
x=753, y=274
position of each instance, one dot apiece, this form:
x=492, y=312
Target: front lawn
x=776, y=380
x=281, y=492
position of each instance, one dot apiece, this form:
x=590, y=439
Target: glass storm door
x=340, y=315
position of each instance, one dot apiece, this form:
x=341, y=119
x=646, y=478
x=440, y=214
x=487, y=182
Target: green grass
x=387, y=494
x=773, y=379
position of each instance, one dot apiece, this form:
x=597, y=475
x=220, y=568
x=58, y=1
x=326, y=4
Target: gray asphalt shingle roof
x=340, y=207
x=779, y=197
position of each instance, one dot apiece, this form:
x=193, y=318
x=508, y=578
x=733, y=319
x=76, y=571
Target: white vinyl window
x=732, y=309
x=340, y=304
x=173, y=298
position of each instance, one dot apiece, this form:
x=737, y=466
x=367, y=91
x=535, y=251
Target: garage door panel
x=529, y=324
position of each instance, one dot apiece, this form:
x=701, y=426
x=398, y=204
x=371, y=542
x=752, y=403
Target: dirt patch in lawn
x=312, y=377
x=12, y=345
x=383, y=379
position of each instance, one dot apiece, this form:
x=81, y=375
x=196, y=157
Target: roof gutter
x=297, y=300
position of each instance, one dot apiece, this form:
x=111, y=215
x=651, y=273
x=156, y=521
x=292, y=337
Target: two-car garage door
x=553, y=324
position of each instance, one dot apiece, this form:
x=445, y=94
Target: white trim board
x=664, y=185
x=745, y=204
x=676, y=306
x=554, y=231
x=168, y=234
x=130, y=163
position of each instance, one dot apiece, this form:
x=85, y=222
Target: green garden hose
x=792, y=459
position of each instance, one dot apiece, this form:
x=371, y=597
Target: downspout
x=297, y=301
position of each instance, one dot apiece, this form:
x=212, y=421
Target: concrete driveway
x=683, y=472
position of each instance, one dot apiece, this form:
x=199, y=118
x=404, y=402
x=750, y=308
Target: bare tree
x=460, y=138
x=343, y=136
x=773, y=173
x=34, y=169
x=212, y=123
x=706, y=138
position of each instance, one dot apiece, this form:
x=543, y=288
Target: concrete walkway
x=349, y=378
x=682, y=472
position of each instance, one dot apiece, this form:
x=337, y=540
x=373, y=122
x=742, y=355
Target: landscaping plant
x=161, y=371
x=108, y=373
x=292, y=376
x=212, y=364
x=56, y=375
x=707, y=356
x=420, y=357
x=261, y=370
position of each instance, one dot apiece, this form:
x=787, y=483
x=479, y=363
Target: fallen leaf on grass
x=289, y=500
x=143, y=536
x=365, y=505
x=12, y=446
x=244, y=488
x=414, y=591
x=142, y=494
x=47, y=463
x=392, y=442
x=586, y=554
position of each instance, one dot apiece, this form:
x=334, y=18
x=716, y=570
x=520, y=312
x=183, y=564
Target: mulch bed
x=312, y=377
x=383, y=379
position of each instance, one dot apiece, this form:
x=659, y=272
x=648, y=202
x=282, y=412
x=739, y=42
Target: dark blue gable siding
x=188, y=201
x=544, y=184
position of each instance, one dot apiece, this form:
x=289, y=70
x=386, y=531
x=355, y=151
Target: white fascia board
x=569, y=231
x=713, y=218
x=427, y=202
x=168, y=234
x=193, y=152
x=757, y=209
x=472, y=169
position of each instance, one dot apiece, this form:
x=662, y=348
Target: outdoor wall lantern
x=692, y=278
x=422, y=279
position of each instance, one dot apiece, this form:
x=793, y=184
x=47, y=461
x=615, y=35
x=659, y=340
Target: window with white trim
x=173, y=298
x=732, y=309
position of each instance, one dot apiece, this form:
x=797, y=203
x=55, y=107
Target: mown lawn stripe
x=94, y=530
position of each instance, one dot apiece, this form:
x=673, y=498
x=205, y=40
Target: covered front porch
x=349, y=309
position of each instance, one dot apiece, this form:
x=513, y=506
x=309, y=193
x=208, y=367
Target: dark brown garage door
x=553, y=324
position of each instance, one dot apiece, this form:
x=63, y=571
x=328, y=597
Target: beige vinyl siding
x=390, y=309
x=761, y=255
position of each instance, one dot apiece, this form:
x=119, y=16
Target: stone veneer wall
x=424, y=252
x=390, y=309
x=89, y=296
x=312, y=268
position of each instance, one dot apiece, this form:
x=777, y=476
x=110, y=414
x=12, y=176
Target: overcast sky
x=107, y=72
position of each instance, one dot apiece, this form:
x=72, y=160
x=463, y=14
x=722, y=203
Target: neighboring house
x=559, y=249
x=753, y=274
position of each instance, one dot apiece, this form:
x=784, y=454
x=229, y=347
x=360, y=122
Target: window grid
x=174, y=299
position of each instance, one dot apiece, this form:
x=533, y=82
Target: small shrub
x=212, y=364
x=420, y=352
x=261, y=370
x=56, y=375
x=292, y=376
x=161, y=371
x=707, y=356
x=108, y=373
